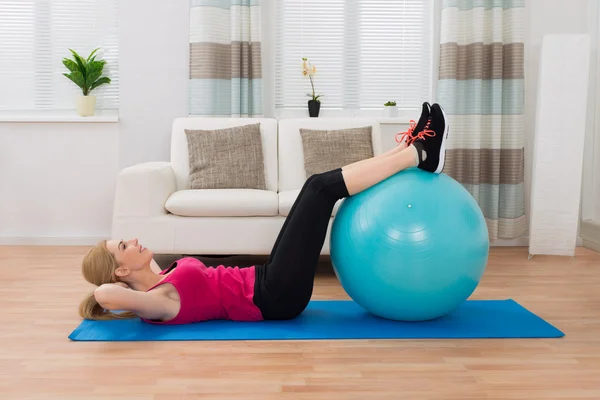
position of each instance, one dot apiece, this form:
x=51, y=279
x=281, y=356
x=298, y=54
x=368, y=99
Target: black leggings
x=284, y=285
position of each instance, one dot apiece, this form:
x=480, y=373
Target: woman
x=188, y=291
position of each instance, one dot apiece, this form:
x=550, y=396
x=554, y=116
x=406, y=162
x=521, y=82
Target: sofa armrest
x=143, y=189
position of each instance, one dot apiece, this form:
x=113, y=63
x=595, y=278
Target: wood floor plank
x=40, y=289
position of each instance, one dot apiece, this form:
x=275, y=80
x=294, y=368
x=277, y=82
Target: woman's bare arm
x=144, y=304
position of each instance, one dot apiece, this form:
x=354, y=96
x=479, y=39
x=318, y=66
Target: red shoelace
x=408, y=136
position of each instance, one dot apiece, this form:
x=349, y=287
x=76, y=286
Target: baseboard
x=517, y=242
x=90, y=241
x=590, y=233
x=523, y=242
x=49, y=241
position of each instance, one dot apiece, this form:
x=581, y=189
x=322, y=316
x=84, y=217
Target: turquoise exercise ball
x=411, y=248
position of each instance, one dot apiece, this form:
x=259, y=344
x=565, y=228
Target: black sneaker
x=433, y=141
x=409, y=136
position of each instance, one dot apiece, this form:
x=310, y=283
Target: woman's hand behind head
x=122, y=284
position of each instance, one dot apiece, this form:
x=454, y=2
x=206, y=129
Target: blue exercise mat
x=339, y=319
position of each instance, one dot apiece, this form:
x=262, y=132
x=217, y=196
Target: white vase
x=390, y=111
x=86, y=105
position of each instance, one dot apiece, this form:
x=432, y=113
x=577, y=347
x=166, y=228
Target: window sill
x=101, y=116
x=393, y=121
x=403, y=118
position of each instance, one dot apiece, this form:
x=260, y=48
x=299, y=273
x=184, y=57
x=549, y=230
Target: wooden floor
x=40, y=288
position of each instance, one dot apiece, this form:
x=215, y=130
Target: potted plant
x=390, y=109
x=87, y=74
x=314, y=105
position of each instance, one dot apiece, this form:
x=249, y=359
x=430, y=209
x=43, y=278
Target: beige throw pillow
x=326, y=150
x=230, y=158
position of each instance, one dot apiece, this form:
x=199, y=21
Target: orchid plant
x=310, y=70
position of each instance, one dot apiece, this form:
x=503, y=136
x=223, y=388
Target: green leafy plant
x=390, y=104
x=85, y=72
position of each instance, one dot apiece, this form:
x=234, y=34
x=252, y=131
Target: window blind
x=35, y=35
x=366, y=52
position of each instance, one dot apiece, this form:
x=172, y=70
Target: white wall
x=57, y=181
x=154, y=46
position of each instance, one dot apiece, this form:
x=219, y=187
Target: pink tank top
x=209, y=293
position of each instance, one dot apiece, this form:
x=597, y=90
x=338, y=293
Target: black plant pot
x=313, y=108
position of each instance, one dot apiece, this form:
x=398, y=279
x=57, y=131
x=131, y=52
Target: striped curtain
x=481, y=89
x=225, y=58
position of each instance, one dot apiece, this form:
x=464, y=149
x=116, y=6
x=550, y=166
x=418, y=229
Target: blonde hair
x=98, y=267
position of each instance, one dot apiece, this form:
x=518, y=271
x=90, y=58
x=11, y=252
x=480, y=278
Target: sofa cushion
x=325, y=150
x=223, y=203
x=230, y=158
x=291, y=171
x=180, y=149
x=287, y=199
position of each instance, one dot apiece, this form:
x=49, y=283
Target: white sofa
x=153, y=202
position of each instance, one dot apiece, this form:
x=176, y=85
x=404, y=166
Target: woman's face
x=130, y=255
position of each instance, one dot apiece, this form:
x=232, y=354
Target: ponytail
x=98, y=267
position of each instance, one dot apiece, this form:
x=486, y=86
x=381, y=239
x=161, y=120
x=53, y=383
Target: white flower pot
x=390, y=111
x=86, y=105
